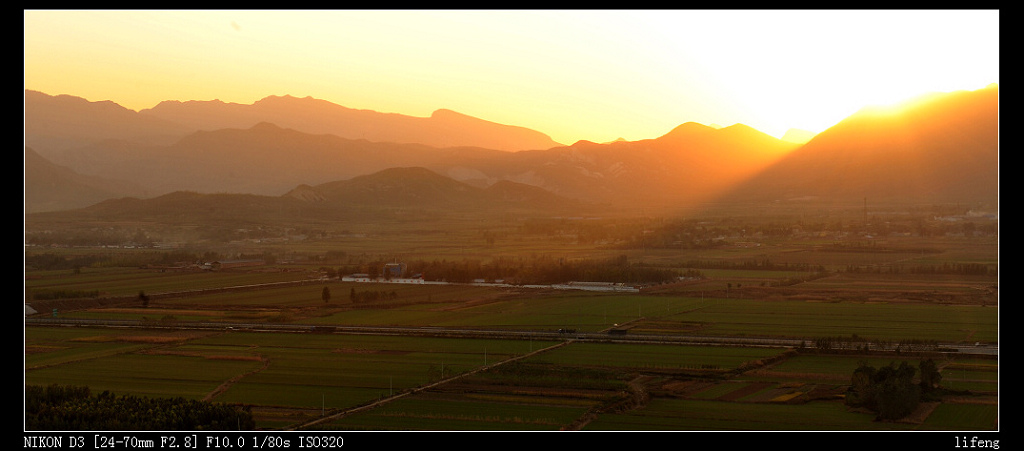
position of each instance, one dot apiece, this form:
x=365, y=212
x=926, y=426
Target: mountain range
x=62, y=122
x=938, y=148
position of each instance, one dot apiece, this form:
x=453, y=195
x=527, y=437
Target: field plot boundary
x=385, y=400
x=230, y=382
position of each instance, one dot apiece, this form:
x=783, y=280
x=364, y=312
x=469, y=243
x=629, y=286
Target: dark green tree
x=73, y=408
x=930, y=376
x=889, y=391
x=862, y=393
x=898, y=396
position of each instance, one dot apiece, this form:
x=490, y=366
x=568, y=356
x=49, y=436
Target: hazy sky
x=595, y=75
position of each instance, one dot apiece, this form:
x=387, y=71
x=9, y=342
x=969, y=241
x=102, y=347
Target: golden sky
x=573, y=74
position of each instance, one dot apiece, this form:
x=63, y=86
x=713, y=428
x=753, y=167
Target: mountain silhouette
x=941, y=147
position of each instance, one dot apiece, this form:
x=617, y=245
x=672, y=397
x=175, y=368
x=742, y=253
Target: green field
x=865, y=295
x=949, y=417
x=129, y=281
x=654, y=356
x=440, y=411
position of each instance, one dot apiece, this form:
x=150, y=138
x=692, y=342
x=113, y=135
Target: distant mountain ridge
x=443, y=128
x=63, y=122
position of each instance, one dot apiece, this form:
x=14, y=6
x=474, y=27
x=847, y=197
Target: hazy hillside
x=685, y=165
x=186, y=208
x=689, y=164
x=444, y=128
x=935, y=148
x=417, y=187
x=264, y=159
x=49, y=187
x=411, y=190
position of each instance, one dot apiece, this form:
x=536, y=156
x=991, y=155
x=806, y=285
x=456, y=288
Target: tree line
x=711, y=233
x=966, y=269
x=763, y=264
x=73, y=408
x=542, y=270
x=863, y=344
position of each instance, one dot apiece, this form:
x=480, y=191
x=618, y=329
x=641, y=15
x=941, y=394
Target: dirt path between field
x=412, y=391
x=636, y=397
x=228, y=383
x=921, y=413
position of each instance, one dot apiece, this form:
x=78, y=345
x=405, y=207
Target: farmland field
x=968, y=417
x=547, y=378
x=442, y=411
x=696, y=415
x=654, y=357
